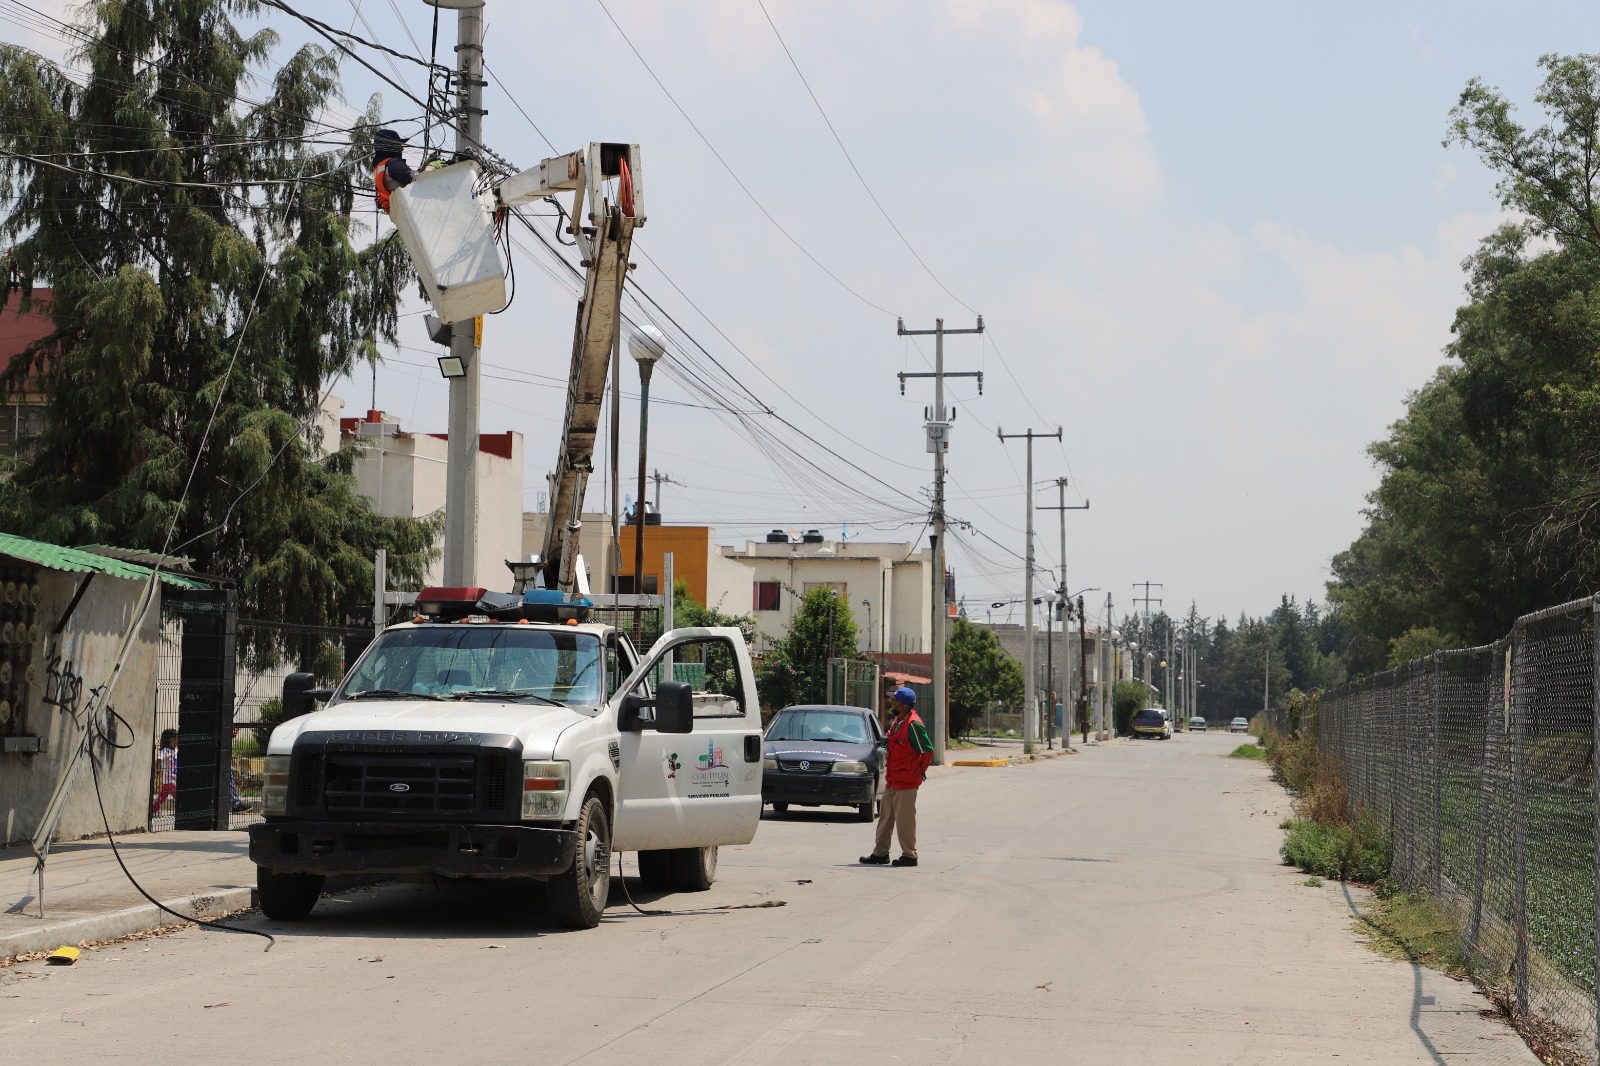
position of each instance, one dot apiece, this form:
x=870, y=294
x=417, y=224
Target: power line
x=855, y=169
x=731, y=172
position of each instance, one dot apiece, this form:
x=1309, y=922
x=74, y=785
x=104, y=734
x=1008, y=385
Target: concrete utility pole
x=1108, y=681
x=461, y=455
x=1030, y=713
x=1143, y=604
x=1066, y=688
x=938, y=428
x=658, y=477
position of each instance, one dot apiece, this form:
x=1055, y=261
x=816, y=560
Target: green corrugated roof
x=56, y=557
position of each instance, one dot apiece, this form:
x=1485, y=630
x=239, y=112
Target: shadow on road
x=1418, y=1000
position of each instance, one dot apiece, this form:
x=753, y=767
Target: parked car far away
x=1152, y=722
x=823, y=755
x=1239, y=725
x=1197, y=724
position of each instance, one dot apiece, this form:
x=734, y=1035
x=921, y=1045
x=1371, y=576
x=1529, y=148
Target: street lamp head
x=647, y=345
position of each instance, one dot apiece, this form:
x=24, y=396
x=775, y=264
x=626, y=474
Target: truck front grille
x=362, y=784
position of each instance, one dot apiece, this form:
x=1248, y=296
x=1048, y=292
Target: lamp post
x=1049, y=601
x=827, y=667
x=647, y=346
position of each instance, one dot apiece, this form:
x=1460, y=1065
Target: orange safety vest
x=380, y=182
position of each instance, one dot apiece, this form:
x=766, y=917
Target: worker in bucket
x=390, y=171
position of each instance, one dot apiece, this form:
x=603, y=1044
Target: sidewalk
x=87, y=896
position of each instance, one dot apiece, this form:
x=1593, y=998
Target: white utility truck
x=505, y=735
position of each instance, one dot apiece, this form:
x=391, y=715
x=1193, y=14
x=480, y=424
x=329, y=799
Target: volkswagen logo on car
x=805, y=765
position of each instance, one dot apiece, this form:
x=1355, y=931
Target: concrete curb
x=141, y=919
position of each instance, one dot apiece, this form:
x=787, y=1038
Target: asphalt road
x=1121, y=905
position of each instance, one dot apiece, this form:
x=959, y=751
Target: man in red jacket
x=910, y=752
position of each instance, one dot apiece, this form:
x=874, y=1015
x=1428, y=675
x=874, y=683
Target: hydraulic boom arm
x=604, y=236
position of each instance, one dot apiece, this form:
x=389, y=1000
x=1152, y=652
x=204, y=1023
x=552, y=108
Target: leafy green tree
x=207, y=280
x=1488, y=504
x=981, y=674
x=687, y=611
x=794, y=668
x=1128, y=698
x=1418, y=642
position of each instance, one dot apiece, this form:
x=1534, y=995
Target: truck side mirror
x=674, y=707
x=300, y=695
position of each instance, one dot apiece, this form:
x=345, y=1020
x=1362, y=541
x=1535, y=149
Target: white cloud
x=1075, y=94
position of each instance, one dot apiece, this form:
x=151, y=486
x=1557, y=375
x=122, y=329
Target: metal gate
x=853, y=683
x=215, y=673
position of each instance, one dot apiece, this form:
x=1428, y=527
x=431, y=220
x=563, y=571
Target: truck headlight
x=849, y=766
x=544, y=789
x=769, y=764
x=275, y=786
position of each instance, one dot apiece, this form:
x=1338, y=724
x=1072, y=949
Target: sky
x=1216, y=244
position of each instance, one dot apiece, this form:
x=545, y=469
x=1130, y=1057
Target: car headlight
x=849, y=766
x=544, y=788
x=275, y=786
x=769, y=764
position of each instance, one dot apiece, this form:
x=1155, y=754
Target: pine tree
x=203, y=253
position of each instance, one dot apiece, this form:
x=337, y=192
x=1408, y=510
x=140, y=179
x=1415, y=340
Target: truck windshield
x=463, y=662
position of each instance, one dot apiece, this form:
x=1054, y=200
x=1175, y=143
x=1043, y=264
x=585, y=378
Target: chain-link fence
x=1480, y=763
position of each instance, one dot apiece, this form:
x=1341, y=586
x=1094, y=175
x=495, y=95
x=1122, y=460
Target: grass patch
x=1409, y=926
x=1249, y=751
x=1345, y=852
x=1312, y=882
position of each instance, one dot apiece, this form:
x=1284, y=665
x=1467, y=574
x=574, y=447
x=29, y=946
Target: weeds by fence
x=1479, y=767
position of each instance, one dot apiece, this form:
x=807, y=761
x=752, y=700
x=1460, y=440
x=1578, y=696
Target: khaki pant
x=897, y=810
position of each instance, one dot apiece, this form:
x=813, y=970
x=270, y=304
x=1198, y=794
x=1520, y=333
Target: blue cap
x=906, y=695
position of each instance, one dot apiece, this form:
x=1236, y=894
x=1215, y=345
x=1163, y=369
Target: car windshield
x=1150, y=718
x=817, y=725
x=479, y=662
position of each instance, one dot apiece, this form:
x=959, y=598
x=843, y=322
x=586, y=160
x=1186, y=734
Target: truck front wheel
x=694, y=869
x=287, y=897
x=578, y=896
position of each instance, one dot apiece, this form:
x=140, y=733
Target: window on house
x=766, y=595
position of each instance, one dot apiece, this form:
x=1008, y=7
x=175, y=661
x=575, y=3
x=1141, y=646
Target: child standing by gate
x=169, y=769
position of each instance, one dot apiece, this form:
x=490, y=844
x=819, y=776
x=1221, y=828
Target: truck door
x=699, y=788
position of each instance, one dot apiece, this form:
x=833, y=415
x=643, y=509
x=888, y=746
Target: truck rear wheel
x=578, y=896
x=655, y=870
x=287, y=897
x=694, y=869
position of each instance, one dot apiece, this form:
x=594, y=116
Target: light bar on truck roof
x=553, y=605
x=453, y=603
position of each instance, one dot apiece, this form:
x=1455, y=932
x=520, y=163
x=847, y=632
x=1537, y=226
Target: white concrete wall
x=727, y=584
x=90, y=641
x=910, y=620
x=878, y=574
x=499, y=515
x=404, y=474
x=325, y=430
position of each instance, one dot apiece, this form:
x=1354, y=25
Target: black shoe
x=876, y=860
x=905, y=860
